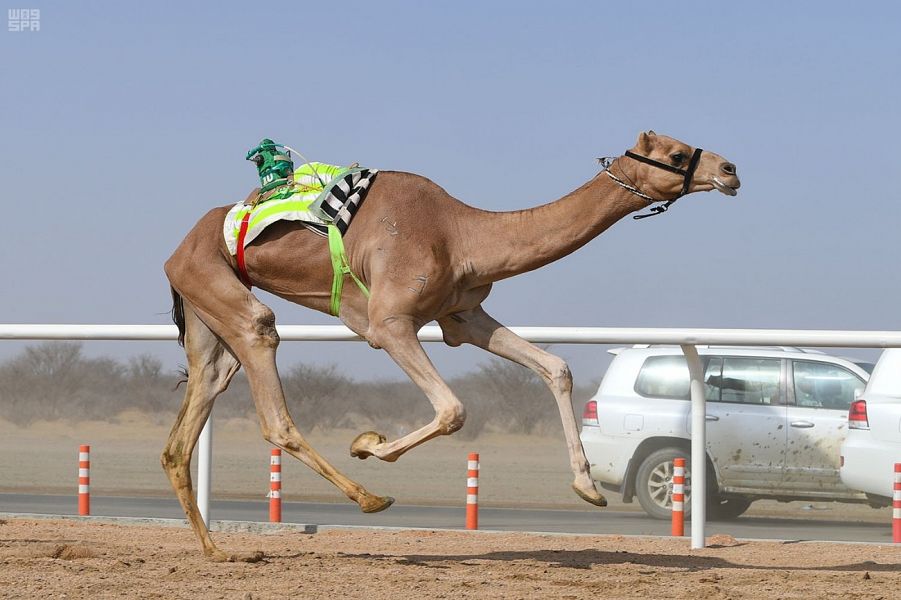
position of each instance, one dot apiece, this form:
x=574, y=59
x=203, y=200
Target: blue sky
x=123, y=123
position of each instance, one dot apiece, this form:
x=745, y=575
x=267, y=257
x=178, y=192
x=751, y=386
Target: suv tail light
x=590, y=414
x=857, y=415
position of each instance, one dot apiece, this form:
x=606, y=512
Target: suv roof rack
x=616, y=351
x=783, y=348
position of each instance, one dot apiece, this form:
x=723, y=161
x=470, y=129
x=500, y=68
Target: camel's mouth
x=722, y=187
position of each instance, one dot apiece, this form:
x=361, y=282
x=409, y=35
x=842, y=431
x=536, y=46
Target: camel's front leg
x=478, y=328
x=398, y=337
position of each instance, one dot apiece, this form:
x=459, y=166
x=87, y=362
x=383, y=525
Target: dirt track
x=65, y=559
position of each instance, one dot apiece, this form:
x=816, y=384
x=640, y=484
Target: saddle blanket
x=321, y=194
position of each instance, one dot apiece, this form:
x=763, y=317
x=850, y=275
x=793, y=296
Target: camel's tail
x=178, y=315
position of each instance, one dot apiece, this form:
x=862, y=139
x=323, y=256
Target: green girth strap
x=341, y=268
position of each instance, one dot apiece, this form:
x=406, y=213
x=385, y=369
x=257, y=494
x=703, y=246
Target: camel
x=425, y=256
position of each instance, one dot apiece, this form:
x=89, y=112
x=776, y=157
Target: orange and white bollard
x=275, y=486
x=678, y=527
x=472, y=491
x=84, y=480
x=896, y=506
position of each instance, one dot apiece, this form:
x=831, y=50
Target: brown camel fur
x=426, y=257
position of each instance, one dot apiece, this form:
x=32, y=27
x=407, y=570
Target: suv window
x=821, y=385
x=743, y=380
x=664, y=377
x=713, y=375
x=668, y=377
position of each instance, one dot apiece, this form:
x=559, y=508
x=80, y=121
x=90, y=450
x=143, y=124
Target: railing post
x=204, y=468
x=698, y=446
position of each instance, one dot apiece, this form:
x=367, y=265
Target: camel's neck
x=509, y=243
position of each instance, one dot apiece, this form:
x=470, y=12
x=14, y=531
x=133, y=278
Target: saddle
x=323, y=198
x=318, y=195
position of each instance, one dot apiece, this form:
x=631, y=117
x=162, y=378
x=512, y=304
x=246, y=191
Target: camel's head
x=671, y=171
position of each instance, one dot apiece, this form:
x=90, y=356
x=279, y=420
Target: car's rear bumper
x=607, y=455
x=869, y=465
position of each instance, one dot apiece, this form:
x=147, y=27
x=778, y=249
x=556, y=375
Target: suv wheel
x=654, y=482
x=728, y=508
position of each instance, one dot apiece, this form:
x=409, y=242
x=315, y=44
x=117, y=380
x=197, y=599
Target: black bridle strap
x=655, y=210
x=686, y=173
x=690, y=172
x=654, y=163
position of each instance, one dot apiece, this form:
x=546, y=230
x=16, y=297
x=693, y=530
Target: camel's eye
x=678, y=157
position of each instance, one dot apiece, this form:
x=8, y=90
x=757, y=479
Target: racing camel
x=425, y=256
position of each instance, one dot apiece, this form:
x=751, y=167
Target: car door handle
x=712, y=417
x=802, y=424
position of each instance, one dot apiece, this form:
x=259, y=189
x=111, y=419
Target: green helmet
x=274, y=164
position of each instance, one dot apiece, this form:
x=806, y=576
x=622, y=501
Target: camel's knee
x=263, y=323
x=167, y=461
x=558, y=375
x=174, y=464
x=172, y=457
x=451, y=419
x=283, y=436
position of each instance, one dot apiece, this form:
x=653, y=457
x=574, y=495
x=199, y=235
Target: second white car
x=873, y=445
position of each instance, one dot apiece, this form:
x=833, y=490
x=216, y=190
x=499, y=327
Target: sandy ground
x=516, y=471
x=64, y=559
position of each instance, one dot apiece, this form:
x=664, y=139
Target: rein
x=687, y=174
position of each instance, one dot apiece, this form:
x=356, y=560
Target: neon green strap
x=341, y=268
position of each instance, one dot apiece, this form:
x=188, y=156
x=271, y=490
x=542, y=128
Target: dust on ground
x=67, y=559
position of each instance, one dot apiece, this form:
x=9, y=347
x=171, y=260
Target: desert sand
x=65, y=559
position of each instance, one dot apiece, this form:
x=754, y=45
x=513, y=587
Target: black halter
x=687, y=173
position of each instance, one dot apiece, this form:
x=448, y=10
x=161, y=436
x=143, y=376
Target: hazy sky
x=121, y=125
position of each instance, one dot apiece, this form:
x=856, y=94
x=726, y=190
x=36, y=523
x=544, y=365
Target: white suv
x=776, y=418
x=873, y=444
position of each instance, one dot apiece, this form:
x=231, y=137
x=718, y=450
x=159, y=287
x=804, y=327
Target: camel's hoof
x=217, y=555
x=596, y=498
x=374, y=504
x=361, y=446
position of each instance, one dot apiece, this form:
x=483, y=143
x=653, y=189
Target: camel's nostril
x=728, y=168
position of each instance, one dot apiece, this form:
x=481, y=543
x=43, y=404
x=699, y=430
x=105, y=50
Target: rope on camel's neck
x=607, y=162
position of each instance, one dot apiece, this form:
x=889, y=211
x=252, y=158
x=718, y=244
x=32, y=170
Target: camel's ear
x=644, y=141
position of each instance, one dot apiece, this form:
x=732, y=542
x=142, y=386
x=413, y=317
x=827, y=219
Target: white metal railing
x=686, y=338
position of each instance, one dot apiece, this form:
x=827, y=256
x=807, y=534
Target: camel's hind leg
x=210, y=368
x=478, y=328
x=247, y=327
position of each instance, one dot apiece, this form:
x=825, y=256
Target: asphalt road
x=502, y=519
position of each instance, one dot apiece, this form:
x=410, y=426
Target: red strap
x=242, y=268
